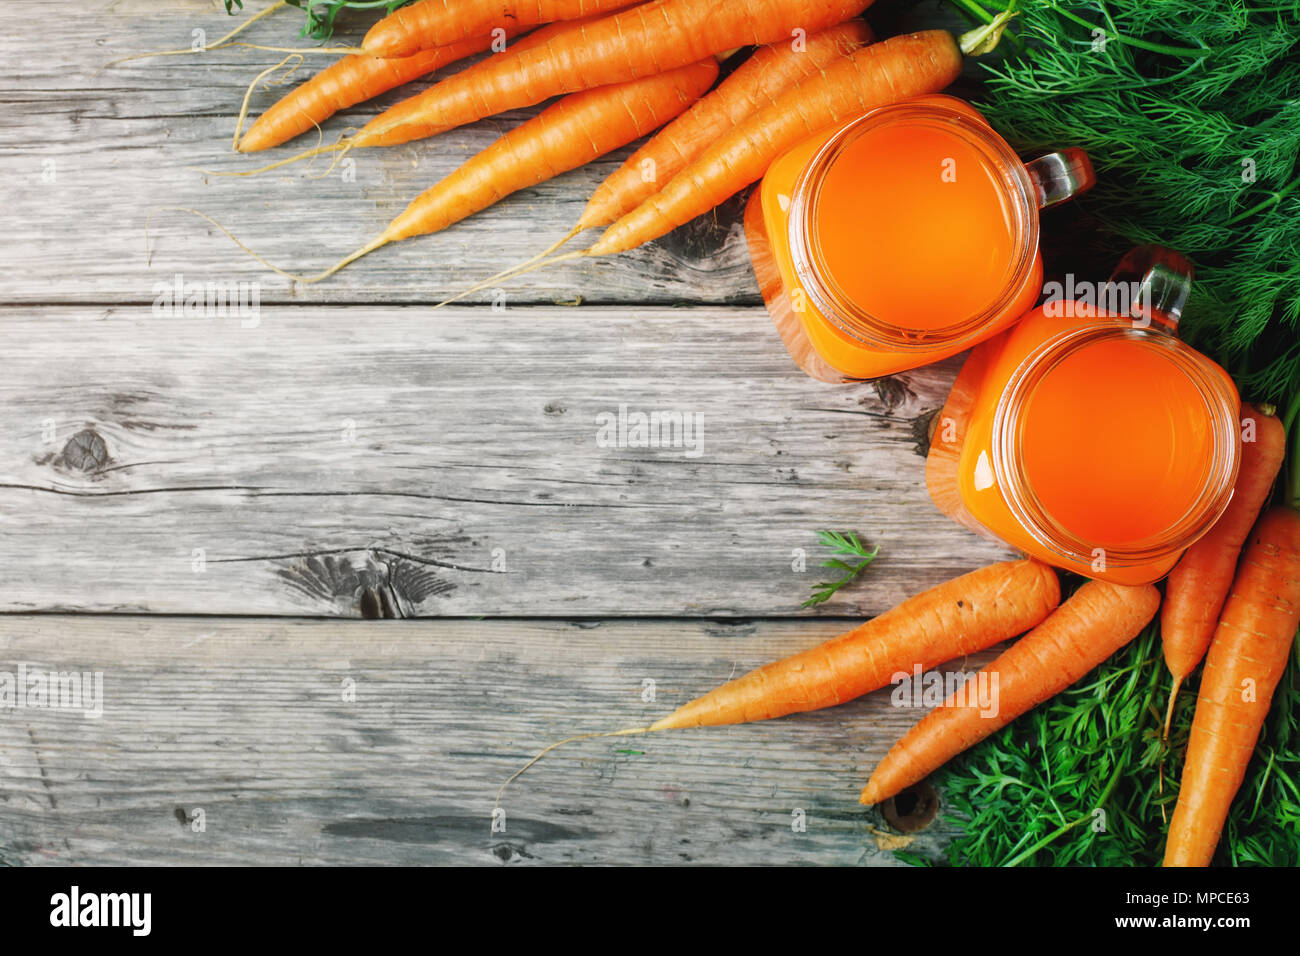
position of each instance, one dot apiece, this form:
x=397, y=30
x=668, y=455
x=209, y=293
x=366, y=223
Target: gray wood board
x=189, y=465
x=245, y=720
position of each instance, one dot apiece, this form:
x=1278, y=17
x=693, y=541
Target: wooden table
x=210, y=509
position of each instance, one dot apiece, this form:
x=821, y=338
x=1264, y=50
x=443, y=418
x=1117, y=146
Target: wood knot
x=85, y=451
x=892, y=392
x=379, y=602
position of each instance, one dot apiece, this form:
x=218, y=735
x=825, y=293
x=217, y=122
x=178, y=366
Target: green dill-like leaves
x=322, y=13
x=845, y=543
x=1030, y=794
x=1190, y=112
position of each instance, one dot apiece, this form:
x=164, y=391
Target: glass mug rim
x=854, y=320
x=1017, y=490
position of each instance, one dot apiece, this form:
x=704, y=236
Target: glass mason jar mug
x=1094, y=438
x=902, y=237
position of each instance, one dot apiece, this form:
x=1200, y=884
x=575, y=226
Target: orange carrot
x=754, y=84
x=433, y=23
x=958, y=617
x=355, y=79
x=846, y=86
x=572, y=132
x=346, y=82
x=1247, y=657
x=1093, y=623
x=880, y=74
x=646, y=39
x=1198, y=584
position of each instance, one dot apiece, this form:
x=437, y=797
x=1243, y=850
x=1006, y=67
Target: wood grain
x=246, y=721
x=188, y=465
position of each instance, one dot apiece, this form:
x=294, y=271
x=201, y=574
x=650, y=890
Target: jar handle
x=1161, y=280
x=1060, y=176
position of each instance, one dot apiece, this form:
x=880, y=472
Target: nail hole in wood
x=913, y=809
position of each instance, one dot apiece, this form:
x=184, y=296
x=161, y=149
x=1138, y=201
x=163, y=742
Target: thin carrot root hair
x=226, y=40
x=341, y=146
x=333, y=50
x=349, y=258
x=539, y=261
x=627, y=732
x=248, y=93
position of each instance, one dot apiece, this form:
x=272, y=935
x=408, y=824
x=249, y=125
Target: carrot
x=959, y=617
x=1247, y=656
x=646, y=39
x=572, y=132
x=1198, y=584
x=1093, y=623
x=754, y=84
x=434, y=23
x=348, y=81
x=372, y=75
x=880, y=74
x=877, y=75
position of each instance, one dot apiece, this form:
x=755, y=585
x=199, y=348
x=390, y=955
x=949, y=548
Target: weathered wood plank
x=188, y=465
x=85, y=156
x=246, y=721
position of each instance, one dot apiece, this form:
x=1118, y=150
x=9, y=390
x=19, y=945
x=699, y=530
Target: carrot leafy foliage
x=1190, y=112
x=847, y=544
x=322, y=13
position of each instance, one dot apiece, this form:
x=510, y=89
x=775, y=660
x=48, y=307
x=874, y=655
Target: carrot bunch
x=815, y=65
x=1247, y=655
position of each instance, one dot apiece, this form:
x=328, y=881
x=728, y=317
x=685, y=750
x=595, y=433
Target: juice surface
x=1117, y=441
x=916, y=225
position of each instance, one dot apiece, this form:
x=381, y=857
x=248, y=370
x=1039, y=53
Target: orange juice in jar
x=902, y=237
x=1091, y=436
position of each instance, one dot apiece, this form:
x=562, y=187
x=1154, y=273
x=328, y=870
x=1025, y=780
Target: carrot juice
x=914, y=224
x=1093, y=440
x=902, y=237
x=1116, y=443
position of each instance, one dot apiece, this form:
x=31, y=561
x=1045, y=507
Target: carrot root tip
x=351, y=257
